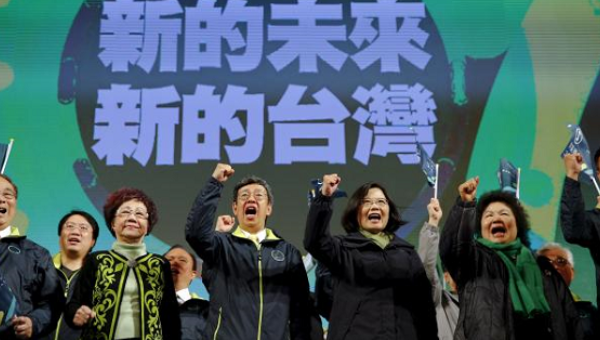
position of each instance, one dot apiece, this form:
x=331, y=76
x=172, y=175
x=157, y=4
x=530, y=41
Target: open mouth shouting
x=250, y=212
x=374, y=217
x=5, y=215
x=498, y=231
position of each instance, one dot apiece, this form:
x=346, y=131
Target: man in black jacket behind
x=78, y=232
x=256, y=280
x=27, y=269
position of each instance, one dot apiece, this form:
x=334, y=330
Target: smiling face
x=130, y=223
x=498, y=223
x=8, y=203
x=76, y=237
x=182, y=267
x=374, y=211
x=252, y=207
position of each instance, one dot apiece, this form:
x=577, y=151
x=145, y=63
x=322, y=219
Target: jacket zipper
x=218, y=323
x=260, y=287
x=67, y=285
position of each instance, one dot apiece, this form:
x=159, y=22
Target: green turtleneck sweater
x=128, y=325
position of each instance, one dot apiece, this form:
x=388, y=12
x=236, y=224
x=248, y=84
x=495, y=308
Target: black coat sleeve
x=48, y=299
x=578, y=226
x=200, y=227
x=169, y=309
x=317, y=238
x=324, y=290
x=457, y=247
x=423, y=308
x=301, y=309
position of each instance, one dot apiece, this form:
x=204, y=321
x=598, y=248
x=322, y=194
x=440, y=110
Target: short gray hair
x=554, y=245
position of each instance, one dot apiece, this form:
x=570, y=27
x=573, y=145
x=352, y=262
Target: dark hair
x=117, y=198
x=253, y=180
x=349, y=217
x=91, y=220
x=194, y=259
x=596, y=158
x=515, y=206
x=11, y=183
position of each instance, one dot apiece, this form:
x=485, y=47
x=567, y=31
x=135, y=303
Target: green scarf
x=382, y=239
x=525, y=278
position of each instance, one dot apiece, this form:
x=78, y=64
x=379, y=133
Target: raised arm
x=317, y=238
x=429, y=240
x=200, y=227
x=456, y=244
x=577, y=225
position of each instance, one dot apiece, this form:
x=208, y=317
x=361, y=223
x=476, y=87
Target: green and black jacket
x=256, y=292
x=101, y=285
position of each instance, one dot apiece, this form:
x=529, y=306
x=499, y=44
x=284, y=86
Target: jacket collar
x=56, y=261
x=357, y=240
x=13, y=234
x=271, y=236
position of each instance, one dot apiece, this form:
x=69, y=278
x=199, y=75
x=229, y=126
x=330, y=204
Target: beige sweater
x=128, y=324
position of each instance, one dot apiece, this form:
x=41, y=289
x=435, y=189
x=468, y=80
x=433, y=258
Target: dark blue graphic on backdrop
x=283, y=89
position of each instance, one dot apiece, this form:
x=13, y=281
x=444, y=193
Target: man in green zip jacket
x=256, y=280
x=78, y=232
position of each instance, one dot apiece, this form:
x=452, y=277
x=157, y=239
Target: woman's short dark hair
x=117, y=198
x=350, y=216
x=521, y=217
x=91, y=220
x=596, y=158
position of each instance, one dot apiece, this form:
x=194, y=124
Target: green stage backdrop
x=152, y=94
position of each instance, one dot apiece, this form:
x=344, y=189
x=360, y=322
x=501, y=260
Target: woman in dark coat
x=380, y=290
x=505, y=293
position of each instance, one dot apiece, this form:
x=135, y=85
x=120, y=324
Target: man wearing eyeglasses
x=561, y=259
x=256, y=280
x=26, y=268
x=78, y=232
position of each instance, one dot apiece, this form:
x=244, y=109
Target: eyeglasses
x=138, y=214
x=84, y=228
x=258, y=195
x=380, y=202
x=9, y=195
x=559, y=261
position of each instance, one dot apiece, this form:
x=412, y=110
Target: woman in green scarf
x=505, y=292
